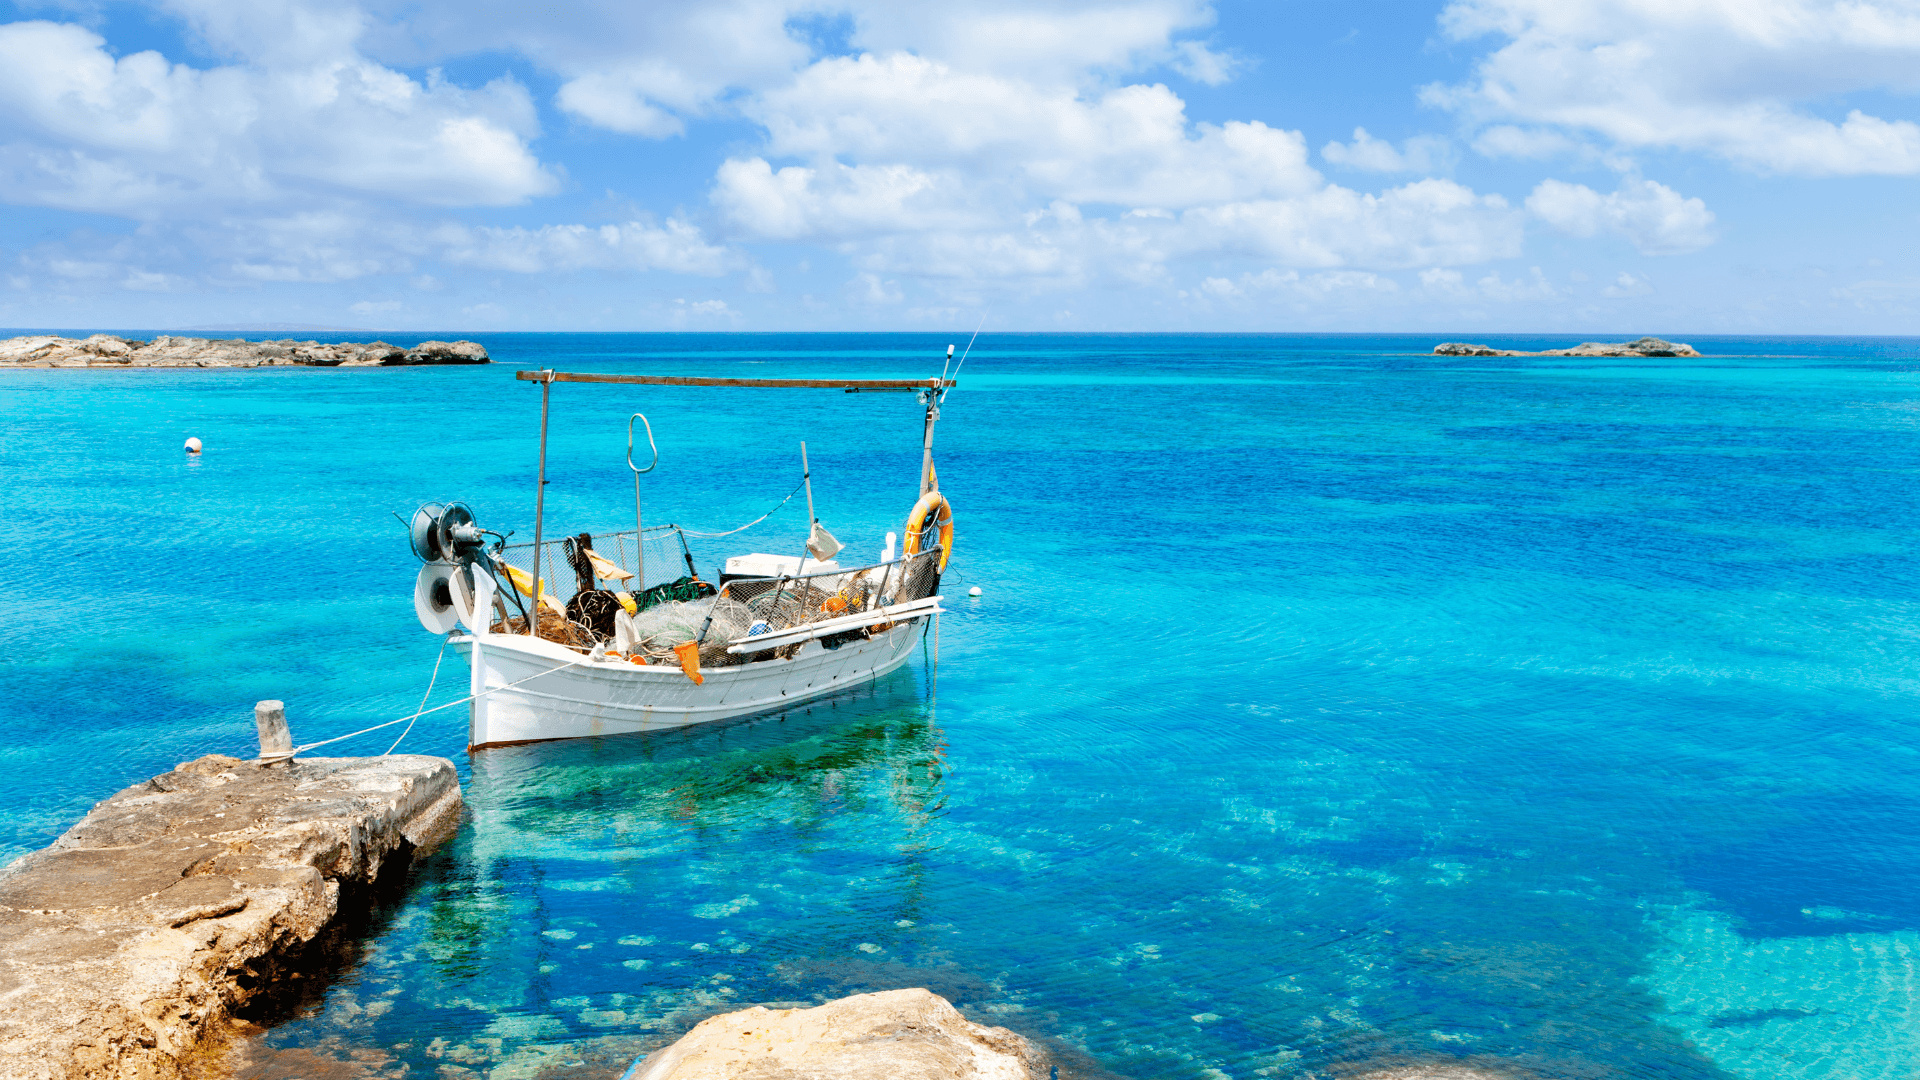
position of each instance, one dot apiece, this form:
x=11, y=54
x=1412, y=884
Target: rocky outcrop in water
x=125, y=946
x=108, y=351
x=896, y=1035
x=1646, y=346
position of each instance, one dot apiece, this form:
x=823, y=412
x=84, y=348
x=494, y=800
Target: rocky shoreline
x=126, y=946
x=108, y=351
x=1646, y=346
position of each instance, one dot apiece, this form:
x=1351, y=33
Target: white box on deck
x=772, y=566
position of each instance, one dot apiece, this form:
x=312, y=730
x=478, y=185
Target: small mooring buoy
x=975, y=591
x=193, y=445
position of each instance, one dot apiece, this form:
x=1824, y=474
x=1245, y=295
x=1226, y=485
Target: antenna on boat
x=931, y=398
x=963, y=356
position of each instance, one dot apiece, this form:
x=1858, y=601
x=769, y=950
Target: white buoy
x=193, y=445
x=975, y=591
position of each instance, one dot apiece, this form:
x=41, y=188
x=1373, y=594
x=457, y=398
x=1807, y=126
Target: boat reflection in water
x=564, y=798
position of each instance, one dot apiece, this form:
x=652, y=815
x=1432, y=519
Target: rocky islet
x=1646, y=346
x=109, y=351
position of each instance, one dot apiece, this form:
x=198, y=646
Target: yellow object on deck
x=523, y=583
x=689, y=654
x=628, y=602
x=606, y=569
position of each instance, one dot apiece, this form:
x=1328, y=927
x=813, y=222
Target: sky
x=1551, y=166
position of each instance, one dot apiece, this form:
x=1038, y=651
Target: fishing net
x=715, y=622
x=673, y=606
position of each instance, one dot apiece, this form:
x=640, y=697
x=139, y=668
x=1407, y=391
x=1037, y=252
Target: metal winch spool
x=454, y=587
x=445, y=533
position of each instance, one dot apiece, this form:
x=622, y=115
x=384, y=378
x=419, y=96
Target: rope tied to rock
x=303, y=748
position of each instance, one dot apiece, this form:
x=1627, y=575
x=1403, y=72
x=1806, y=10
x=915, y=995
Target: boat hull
x=519, y=697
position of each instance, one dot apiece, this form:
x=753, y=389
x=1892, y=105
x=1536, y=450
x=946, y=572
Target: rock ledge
x=107, y=351
x=1646, y=346
x=124, y=945
x=895, y=1035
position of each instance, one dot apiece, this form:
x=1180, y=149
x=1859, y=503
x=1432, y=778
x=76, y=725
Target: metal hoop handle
x=642, y=417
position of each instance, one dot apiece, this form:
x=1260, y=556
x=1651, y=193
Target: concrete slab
x=125, y=945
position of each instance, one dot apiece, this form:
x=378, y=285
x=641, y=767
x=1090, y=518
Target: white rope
x=755, y=521
x=470, y=697
x=423, y=697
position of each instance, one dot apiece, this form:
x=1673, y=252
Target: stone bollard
x=276, y=741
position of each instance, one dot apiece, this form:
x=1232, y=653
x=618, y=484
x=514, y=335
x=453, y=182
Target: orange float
x=933, y=512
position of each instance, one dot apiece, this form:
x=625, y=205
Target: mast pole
x=932, y=396
x=540, y=505
x=927, y=480
x=806, y=479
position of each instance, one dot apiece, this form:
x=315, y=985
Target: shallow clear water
x=1328, y=704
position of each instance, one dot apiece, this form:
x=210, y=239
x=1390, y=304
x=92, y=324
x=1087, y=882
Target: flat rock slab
x=108, y=351
x=896, y=1035
x=1646, y=346
x=126, y=944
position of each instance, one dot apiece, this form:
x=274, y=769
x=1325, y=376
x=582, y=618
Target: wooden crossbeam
x=690, y=380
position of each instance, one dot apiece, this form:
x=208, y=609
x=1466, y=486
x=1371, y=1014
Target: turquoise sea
x=1329, y=708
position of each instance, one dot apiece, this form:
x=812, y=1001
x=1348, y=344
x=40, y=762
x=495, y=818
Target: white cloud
x=617, y=104
x=702, y=312
x=1049, y=41
x=1424, y=223
x=324, y=247
x=871, y=289
x=1625, y=284
x=139, y=136
x=1132, y=145
x=636, y=245
x=1508, y=141
x=1654, y=217
x=1737, y=79
x=1203, y=65
x=1017, y=144
x=1448, y=284
x=647, y=69
x=1534, y=286
x=915, y=167
x=1422, y=154
x=833, y=201
x=1290, y=289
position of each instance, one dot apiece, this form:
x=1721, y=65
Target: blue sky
x=1584, y=166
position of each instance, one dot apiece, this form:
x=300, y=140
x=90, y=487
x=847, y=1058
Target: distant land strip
x=108, y=351
x=1646, y=346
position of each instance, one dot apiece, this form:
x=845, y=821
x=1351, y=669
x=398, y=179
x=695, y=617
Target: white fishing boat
x=641, y=642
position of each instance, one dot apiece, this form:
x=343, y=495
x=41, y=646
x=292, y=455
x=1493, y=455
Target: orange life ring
x=933, y=511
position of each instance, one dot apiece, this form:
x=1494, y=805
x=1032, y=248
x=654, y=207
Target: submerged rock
x=126, y=944
x=105, y=350
x=896, y=1035
x=1646, y=346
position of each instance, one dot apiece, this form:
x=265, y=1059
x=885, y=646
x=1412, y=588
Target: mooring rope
x=423, y=710
x=434, y=678
x=405, y=719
